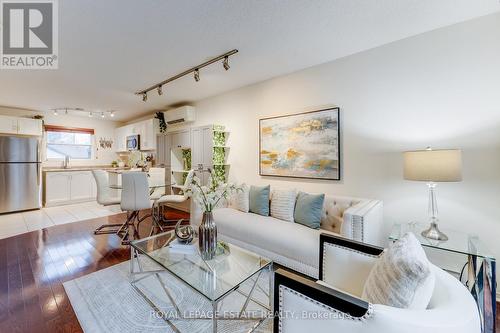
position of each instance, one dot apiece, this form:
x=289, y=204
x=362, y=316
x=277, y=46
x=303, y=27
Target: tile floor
x=18, y=223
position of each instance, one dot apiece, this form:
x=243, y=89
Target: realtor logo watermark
x=29, y=34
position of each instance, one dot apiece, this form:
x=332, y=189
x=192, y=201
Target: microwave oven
x=133, y=142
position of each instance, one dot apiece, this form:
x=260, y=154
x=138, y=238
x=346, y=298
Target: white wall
x=103, y=128
x=440, y=88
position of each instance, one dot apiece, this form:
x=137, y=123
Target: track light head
x=102, y=115
x=55, y=112
x=225, y=63
x=112, y=114
x=90, y=114
x=196, y=75
x=160, y=90
x=144, y=97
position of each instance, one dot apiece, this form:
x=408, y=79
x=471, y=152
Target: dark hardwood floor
x=34, y=266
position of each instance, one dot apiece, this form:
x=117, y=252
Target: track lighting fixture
x=90, y=114
x=112, y=114
x=195, y=70
x=102, y=115
x=55, y=112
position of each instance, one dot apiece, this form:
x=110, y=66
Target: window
x=77, y=143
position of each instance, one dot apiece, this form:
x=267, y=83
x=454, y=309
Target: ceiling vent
x=181, y=115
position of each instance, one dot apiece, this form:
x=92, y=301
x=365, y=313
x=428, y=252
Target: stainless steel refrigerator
x=20, y=174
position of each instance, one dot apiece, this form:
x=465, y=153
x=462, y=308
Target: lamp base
x=434, y=233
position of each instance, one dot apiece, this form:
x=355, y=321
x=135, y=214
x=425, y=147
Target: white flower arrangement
x=209, y=197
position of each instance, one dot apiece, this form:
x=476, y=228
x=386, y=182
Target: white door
x=8, y=125
x=167, y=148
x=81, y=186
x=57, y=188
x=28, y=126
x=196, y=148
x=207, y=146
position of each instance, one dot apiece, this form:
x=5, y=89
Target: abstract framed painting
x=304, y=145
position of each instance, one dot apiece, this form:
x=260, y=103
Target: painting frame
x=336, y=112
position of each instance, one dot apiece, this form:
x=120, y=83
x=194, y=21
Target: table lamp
x=433, y=166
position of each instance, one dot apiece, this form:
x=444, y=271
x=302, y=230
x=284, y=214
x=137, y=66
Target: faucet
x=66, y=162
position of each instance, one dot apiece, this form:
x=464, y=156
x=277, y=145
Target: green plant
x=219, y=139
x=186, y=161
x=219, y=155
x=219, y=173
x=163, y=125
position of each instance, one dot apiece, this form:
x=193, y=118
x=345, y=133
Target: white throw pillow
x=283, y=204
x=241, y=199
x=402, y=277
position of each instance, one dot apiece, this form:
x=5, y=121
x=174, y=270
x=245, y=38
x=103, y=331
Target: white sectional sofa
x=294, y=245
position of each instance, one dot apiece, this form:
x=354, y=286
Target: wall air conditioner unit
x=181, y=115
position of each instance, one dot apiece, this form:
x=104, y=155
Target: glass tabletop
x=212, y=278
x=458, y=242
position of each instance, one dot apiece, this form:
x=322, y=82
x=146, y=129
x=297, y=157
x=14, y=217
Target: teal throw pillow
x=259, y=199
x=308, y=209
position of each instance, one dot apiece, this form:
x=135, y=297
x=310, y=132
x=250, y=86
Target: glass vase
x=207, y=236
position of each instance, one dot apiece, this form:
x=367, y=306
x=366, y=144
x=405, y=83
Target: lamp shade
x=433, y=165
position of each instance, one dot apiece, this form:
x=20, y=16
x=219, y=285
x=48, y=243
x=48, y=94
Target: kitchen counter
x=83, y=168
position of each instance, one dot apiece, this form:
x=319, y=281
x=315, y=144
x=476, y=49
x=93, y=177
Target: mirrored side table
x=481, y=266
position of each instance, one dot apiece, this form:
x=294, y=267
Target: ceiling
x=110, y=49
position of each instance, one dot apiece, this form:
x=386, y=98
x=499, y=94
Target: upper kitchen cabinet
x=181, y=139
x=21, y=126
x=146, y=129
x=28, y=126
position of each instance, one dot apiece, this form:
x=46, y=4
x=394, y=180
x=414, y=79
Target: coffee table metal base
x=138, y=275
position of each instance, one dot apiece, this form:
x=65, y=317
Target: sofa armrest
x=345, y=263
x=317, y=299
x=363, y=221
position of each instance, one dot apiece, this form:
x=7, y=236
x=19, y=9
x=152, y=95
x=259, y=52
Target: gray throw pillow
x=308, y=209
x=259, y=199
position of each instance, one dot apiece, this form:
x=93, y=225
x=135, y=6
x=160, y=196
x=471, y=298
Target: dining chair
x=157, y=177
x=105, y=198
x=135, y=197
x=177, y=198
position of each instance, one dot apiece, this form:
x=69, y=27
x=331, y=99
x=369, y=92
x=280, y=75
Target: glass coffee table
x=182, y=287
x=481, y=265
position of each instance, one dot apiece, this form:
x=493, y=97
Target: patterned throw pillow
x=402, y=277
x=283, y=204
x=241, y=200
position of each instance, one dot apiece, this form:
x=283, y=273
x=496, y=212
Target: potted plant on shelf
x=208, y=198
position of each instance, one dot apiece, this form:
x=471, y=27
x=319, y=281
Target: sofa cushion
x=402, y=277
x=309, y=209
x=291, y=240
x=283, y=204
x=241, y=200
x=259, y=199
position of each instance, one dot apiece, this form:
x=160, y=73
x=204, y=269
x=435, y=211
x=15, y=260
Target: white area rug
x=105, y=301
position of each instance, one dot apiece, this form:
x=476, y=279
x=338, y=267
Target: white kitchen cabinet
x=121, y=139
x=181, y=139
x=67, y=187
x=8, y=125
x=81, y=186
x=27, y=126
x=22, y=126
x=57, y=188
x=148, y=134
